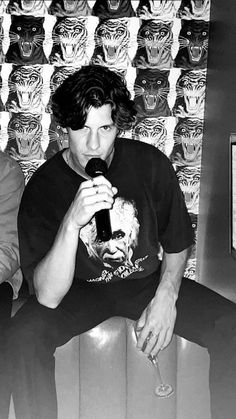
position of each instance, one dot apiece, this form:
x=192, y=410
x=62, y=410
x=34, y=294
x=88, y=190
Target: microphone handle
x=103, y=225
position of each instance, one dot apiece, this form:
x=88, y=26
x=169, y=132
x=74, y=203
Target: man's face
x=116, y=251
x=95, y=139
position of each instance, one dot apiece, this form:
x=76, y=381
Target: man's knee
x=27, y=329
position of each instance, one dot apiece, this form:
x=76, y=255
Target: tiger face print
x=108, y=9
x=194, y=221
x=58, y=76
x=25, y=89
x=189, y=180
x=190, y=270
x=190, y=90
x=58, y=138
x=193, y=44
x=151, y=88
x=2, y=58
x=156, y=9
x=26, y=41
x=187, y=142
x=111, y=44
x=27, y=7
x=194, y=9
x=25, y=134
x=151, y=131
x=70, y=8
x=155, y=40
x=2, y=7
x=69, y=42
x=28, y=167
x=1, y=104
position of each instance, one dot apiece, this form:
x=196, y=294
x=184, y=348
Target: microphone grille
x=96, y=167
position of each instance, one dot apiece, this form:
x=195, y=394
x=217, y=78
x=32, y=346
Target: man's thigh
x=200, y=311
x=81, y=309
x=6, y=293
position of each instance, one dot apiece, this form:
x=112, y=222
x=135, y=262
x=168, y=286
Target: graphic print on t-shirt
x=115, y=254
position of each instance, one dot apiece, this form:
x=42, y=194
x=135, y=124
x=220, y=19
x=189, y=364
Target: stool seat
x=101, y=375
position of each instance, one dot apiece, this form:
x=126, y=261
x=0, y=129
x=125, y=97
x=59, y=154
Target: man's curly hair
x=93, y=86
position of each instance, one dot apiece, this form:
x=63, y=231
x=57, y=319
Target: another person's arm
x=11, y=189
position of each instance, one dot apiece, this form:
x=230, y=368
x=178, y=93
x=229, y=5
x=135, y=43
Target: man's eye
x=119, y=236
x=106, y=127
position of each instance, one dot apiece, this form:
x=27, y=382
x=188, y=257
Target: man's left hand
x=155, y=327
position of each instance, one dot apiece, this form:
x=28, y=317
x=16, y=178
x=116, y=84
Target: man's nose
x=93, y=140
x=111, y=246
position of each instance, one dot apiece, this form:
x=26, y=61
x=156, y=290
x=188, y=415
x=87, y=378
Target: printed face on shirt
x=119, y=249
x=95, y=139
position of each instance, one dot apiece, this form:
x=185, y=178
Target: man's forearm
x=172, y=270
x=53, y=276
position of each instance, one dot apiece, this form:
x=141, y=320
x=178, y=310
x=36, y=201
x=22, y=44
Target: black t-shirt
x=149, y=211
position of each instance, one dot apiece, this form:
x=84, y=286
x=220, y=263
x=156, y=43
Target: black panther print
x=111, y=44
x=193, y=44
x=25, y=89
x=156, y=9
x=69, y=42
x=57, y=77
x=155, y=40
x=187, y=148
x=25, y=135
x=26, y=41
x=58, y=138
x=27, y=7
x=69, y=8
x=194, y=9
x=190, y=90
x=151, y=88
x=108, y=9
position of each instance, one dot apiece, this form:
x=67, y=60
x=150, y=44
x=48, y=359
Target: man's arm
x=11, y=189
x=158, y=319
x=54, y=274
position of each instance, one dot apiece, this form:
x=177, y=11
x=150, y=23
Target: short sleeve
x=174, y=223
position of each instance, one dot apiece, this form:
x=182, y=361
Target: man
x=76, y=284
x=11, y=189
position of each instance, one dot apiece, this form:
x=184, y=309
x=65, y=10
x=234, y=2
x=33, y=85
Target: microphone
x=96, y=167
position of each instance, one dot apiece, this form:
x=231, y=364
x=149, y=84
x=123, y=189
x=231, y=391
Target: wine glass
x=162, y=389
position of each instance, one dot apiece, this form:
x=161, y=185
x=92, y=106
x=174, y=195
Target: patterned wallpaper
x=160, y=48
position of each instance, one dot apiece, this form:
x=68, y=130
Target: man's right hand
x=92, y=196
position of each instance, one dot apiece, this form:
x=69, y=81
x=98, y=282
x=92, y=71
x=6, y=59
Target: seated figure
x=11, y=189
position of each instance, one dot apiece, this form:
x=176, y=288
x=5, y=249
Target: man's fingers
x=152, y=343
x=140, y=323
x=168, y=338
x=147, y=339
